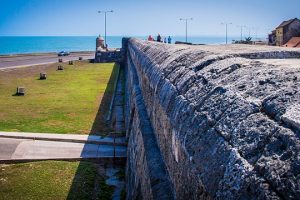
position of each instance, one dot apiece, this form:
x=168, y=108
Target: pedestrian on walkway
x=158, y=38
x=169, y=39
x=150, y=38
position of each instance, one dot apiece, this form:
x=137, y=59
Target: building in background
x=272, y=38
x=293, y=42
x=284, y=32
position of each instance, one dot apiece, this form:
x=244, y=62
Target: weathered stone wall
x=109, y=56
x=211, y=123
x=146, y=173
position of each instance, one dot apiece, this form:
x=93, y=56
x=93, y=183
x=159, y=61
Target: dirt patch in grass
x=74, y=100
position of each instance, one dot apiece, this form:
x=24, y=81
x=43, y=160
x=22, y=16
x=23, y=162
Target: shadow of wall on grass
x=101, y=125
x=88, y=177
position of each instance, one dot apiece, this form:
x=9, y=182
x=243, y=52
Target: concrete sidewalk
x=91, y=139
x=29, y=149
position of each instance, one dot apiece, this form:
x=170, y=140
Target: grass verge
x=51, y=180
x=69, y=101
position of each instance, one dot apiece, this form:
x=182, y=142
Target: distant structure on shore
x=104, y=54
x=286, y=34
x=100, y=44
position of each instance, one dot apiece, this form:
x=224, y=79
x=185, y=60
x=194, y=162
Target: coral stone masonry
x=211, y=122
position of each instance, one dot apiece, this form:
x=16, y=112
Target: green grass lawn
x=69, y=101
x=53, y=180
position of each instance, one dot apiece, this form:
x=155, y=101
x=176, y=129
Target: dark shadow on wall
x=89, y=179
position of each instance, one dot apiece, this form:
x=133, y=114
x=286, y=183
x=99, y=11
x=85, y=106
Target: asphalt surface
x=38, y=59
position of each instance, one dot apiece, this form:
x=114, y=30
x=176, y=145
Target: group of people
x=160, y=39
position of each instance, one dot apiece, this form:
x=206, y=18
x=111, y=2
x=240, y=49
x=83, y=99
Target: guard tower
x=100, y=44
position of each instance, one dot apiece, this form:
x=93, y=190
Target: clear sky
x=139, y=17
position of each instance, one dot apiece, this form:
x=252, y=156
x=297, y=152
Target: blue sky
x=138, y=17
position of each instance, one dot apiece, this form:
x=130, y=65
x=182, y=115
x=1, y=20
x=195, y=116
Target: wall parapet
x=151, y=180
x=225, y=125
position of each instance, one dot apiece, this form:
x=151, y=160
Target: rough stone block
x=280, y=163
x=236, y=112
x=252, y=135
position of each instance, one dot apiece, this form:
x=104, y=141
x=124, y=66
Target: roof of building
x=286, y=23
x=293, y=42
x=272, y=33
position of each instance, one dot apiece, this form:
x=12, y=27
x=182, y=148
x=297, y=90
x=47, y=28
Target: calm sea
x=41, y=44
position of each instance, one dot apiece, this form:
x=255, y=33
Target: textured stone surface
x=145, y=159
x=223, y=126
x=109, y=56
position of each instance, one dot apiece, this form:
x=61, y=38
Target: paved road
x=30, y=60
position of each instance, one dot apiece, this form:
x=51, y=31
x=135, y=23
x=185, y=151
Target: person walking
x=169, y=39
x=158, y=39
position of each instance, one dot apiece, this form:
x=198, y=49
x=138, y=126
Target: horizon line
x=205, y=35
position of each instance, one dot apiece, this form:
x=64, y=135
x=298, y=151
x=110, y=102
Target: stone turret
x=100, y=43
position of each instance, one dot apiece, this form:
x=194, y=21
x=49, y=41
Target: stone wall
x=109, y=56
x=209, y=123
x=146, y=173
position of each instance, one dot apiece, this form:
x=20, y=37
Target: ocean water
x=42, y=44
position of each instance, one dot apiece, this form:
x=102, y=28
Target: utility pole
x=241, y=26
x=226, y=24
x=106, y=11
x=186, y=22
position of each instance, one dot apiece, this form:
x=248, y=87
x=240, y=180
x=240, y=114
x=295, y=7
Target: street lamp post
x=226, y=24
x=106, y=11
x=186, y=21
x=249, y=32
x=241, y=31
x=256, y=28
